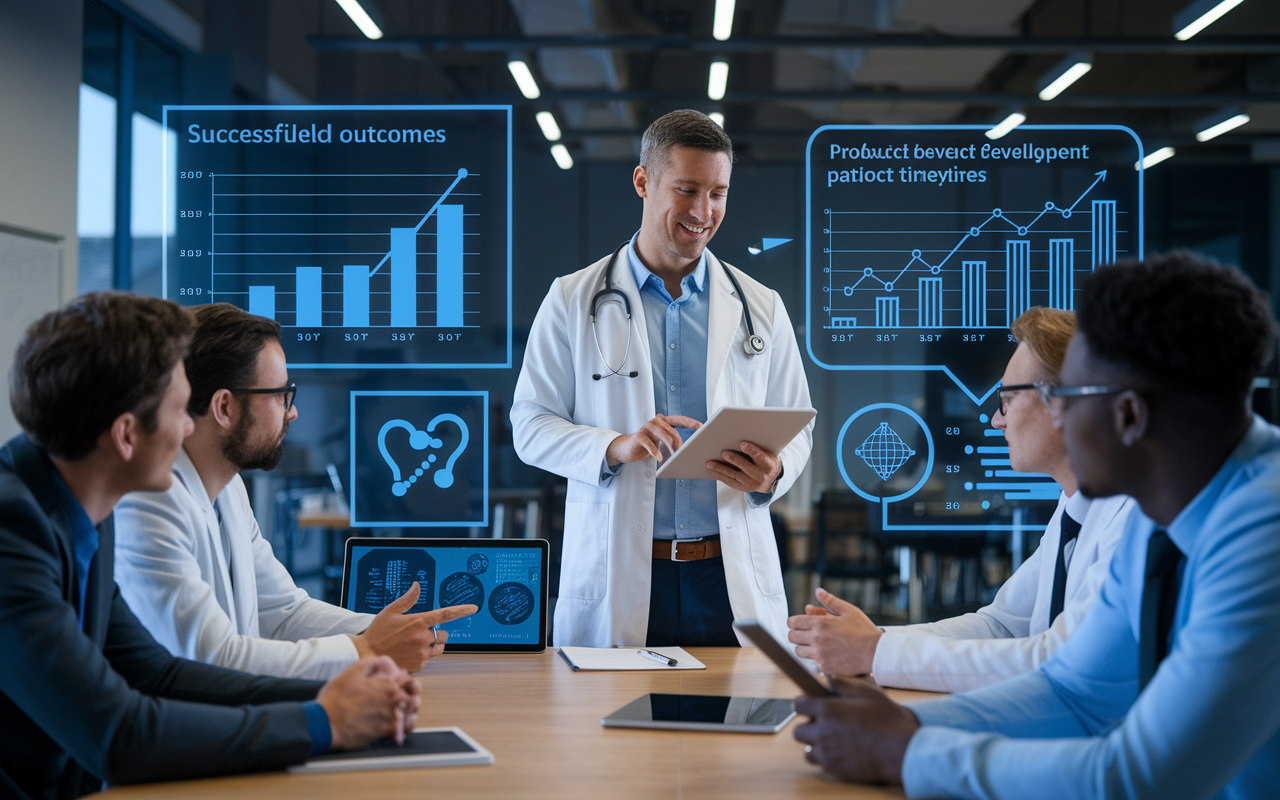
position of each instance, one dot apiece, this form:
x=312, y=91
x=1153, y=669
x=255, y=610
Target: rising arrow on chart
x=462, y=173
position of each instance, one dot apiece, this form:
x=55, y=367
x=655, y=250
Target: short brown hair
x=79, y=368
x=224, y=351
x=1047, y=331
x=683, y=128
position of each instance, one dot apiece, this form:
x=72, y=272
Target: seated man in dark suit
x=87, y=696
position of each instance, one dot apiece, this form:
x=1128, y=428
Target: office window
x=95, y=196
x=128, y=77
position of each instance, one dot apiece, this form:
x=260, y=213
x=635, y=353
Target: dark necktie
x=1159, y=601
x=1069, y=529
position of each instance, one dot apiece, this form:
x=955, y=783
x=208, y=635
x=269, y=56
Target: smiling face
x=684, y=204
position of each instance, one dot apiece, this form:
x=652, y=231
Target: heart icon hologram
x=421, y=440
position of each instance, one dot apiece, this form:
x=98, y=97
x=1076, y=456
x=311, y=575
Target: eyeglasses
x=1056, y=396
x=290, y=391
x=1053, y=396
x=1003, y=392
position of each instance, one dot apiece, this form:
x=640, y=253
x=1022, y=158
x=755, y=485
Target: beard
x=239, y=449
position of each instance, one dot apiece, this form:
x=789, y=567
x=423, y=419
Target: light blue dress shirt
x=1208, y=724
x=677, y=329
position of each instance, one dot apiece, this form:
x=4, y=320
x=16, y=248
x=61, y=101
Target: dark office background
x=866, y=61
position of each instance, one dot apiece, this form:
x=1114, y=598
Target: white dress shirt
x=1012, y=635
x=208, y=587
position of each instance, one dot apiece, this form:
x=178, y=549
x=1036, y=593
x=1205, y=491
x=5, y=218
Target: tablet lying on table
x=703, y=712
x=506, y=578
x=770, y=428
x=426, y=747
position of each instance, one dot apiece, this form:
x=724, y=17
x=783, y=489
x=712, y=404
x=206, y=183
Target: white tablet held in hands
x=770, y=428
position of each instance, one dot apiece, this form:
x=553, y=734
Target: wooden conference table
x=541, y=721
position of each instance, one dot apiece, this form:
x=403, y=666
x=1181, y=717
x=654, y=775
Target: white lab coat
x=1012, y=635
x=563, y=421
x=172, y=570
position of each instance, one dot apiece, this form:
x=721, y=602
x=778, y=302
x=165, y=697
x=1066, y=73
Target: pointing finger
x=448, y=614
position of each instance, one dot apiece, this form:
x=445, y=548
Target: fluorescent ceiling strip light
x=1216, y=130
x=361, y=18
x=1007, y=124
x=1155, y=157
x=524, y=79
x=1069, y=70
x=723, y=24
x=547, y=121
x=561, y=154
x=717, y=79
x=1198, y=16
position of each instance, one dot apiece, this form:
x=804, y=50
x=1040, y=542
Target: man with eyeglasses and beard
x=193, y=564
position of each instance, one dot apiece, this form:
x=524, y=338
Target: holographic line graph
x=974, y=231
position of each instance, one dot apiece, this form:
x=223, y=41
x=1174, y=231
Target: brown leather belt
x=686, y=549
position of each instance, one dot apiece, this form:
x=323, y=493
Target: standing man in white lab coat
x=627, y=357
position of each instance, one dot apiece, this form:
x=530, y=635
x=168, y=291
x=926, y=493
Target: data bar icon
x=355, y=296
x=887, y=312
x=930, y=302
x=1104, y=233
x=844, y=322
x=449, y=266
x=262, y=301
x=404, y=277
x=973, y=294
x=1061, y=273
x=309, y=306
x=1017, y=254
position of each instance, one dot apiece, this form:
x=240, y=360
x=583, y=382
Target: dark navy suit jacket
x=109, y=703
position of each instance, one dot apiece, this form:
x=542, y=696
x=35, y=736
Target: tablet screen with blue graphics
x=505, y=578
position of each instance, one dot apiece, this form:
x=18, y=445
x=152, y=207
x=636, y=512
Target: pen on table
x=659, y=657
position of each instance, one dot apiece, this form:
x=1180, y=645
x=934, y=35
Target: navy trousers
x=689, y=605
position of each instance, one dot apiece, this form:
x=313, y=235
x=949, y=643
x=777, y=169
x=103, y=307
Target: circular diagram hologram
x=885, y=452
x=477, y=563
x=511, y=603
x=461, y=588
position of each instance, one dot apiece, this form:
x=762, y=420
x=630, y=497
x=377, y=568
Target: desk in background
x=541, y=721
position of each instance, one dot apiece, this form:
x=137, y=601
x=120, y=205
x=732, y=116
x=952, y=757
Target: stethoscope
x=753, y=345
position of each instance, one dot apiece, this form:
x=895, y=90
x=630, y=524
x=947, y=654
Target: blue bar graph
x=1017, y=254
x=887, y=312
x=309, y=305
x=1104, y=233
x=930, y=302
x=973, y=294
x=404, y=277
x=1062, y=264
x=262, y=301
x=449, y=266
x=355, y=296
